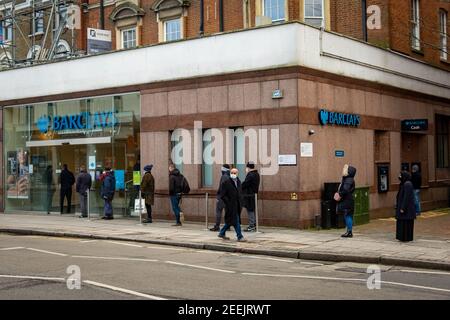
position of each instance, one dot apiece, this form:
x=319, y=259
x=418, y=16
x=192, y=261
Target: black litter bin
x=327, y=213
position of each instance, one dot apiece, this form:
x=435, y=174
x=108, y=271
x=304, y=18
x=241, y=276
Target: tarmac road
x=34, y=267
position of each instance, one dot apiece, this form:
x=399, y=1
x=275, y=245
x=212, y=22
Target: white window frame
x=122, y=38
x=61, y=8
x=165, y=29
x=7, y=26
x=38, y=16
x=283, y=11
x=415, y=25
x=443, y=34
x=322, y=17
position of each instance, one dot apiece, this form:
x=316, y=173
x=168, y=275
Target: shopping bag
x=139, y=206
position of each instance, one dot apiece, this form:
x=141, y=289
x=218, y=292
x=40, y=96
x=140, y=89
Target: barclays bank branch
x=38, y=139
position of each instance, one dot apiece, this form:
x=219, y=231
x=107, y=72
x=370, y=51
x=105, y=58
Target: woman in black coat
x=344, y=196
x=405, y=212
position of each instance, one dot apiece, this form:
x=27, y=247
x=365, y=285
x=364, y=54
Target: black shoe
x=348, y=234
x=82, y=217
x=215, y=228
x=250, y=229
x=108, y=218
x=178, y=224
x=223, y=237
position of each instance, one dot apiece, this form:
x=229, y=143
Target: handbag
x=337, y=197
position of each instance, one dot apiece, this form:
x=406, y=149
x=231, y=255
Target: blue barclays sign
x=81, y=121
x=339, y=119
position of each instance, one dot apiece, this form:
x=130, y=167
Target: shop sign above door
x=83, y=120
x=339, y=119
x=415, y=125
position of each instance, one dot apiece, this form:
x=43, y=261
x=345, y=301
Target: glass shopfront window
x=95, y=132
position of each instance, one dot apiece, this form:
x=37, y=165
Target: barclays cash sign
x=339, y=119
x=81, y=121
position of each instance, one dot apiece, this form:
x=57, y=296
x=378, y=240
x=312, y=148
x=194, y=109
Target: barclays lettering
x=81, y=121
x=340, y=119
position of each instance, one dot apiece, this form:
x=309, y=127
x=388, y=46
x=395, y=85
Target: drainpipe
x=364, y=19
x=102, y=15
x=221, y=15
x=202, y=17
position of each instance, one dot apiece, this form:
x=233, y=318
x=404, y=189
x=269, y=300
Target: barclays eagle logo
x=43, y=124
x=323, y=117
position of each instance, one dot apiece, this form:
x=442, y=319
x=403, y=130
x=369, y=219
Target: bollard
x=88, y=205
x=140, y=206
x=256, y=212
x=206, y=210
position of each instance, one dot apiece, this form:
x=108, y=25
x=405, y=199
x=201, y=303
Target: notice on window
x=136, y=178
x=306, y=149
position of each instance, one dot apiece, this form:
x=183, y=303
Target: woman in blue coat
x=405, y=212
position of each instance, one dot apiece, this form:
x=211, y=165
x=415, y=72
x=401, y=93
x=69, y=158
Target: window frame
x=122, y=38
x=38, y=21
x=58, y=16
x=165, y=22
x=7, y=27
x=442, y=141
x=207, y=169
x=443, y=41
x=415, y=25
x=283, y=11
x=322, y=17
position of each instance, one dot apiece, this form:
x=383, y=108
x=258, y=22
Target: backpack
x=185, y=186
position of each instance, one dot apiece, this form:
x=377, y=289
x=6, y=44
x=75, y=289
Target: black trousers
x=149, y=211
x=66, y=193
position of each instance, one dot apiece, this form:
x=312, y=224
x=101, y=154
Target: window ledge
x=418, y=51
x=447, y=62
x=36, y=34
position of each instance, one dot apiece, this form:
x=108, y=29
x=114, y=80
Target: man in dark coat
x=175, y=191
x=219, y=203
x=250, y=187
x=107, y=193
x=346, y=204
x=416, y=180
x=231, y=195
x=84, y=183
x=405, y=212
x=67, y=180
x=148, y=191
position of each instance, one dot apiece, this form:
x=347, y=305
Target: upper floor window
x=442, y=141
x=6, y=26
x=274, y=9
x=128, y=38
x=61, y=16
x=314, y=12
x=443, y=34
x=38, y=21
x=172, y=30
x=415, y=24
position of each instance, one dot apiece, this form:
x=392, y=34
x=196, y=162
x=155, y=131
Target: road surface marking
x=131, y=292
x=88, y=241
x=262, y=258
x=162, y=248
x=49, y=252
x=12, y=248
x=116, y=258
x=31, y=277
x=424, y=272
x=199, y=267
x=125, y=244
x=312, y=263
x=345, y=279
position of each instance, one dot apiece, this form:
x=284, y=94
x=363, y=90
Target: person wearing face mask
x=220, y=205
x=405, y=212
x=250, y=187
x=230, y=194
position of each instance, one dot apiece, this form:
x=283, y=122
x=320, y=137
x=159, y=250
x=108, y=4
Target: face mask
x=247, y=170
x=233, y=176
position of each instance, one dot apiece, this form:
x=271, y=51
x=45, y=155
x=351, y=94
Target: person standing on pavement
x=175, y=191
x=250, y=187
x=135, y=188
x=417, y=183
x=231, y=195
x=344, y=198
x=48, y=178
x=67, y=179
x=148, y=191
x=107, y=193
x=84, y=183
x=405, y=212
x=220, y=205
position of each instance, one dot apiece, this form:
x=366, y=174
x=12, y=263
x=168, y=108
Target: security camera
x=311, y=132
